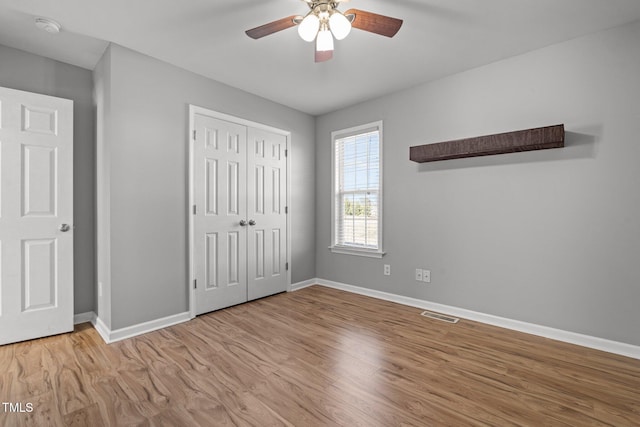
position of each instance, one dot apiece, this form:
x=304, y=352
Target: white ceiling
x=438, y=38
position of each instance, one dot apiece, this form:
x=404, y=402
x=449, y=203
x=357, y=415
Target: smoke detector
x=48, y=25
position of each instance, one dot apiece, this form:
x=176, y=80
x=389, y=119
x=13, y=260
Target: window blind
x=357, y=190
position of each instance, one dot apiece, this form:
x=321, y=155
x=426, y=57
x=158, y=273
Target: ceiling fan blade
x=271, y=27
x=374, y=23
x=323, y=55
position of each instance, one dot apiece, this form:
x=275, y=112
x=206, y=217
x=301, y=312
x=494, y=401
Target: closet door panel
x=220, y=194
x=266, y=212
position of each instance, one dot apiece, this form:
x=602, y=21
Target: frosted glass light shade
x=308, y=28
x=339, y=25
x=324, y=41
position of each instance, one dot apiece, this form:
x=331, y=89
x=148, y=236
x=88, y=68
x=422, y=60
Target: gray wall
x=25, y=71
x=148, y=183
x=549, y=237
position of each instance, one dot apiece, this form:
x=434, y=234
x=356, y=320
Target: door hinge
x=286, y=209
x=194, y=209
x=194, y=134
x=286, y=153
x=286, y=266
x=195, y=283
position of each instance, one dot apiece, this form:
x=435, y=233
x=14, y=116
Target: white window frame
x=350, y=250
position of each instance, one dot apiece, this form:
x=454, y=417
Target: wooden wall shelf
x=509, y=142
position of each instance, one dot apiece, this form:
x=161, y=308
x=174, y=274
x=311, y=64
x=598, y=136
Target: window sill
x=358, y=252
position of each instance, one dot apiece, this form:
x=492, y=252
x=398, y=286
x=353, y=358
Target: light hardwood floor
x=317, y=357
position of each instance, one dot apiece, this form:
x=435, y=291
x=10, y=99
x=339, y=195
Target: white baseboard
x=101, y=328
x=110, y=336
x=83, y=317
x=302, y=285
x=615, y=347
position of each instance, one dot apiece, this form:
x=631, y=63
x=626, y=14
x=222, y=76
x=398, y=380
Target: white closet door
x=220, y=194
x=267, y=232
x=36, y=215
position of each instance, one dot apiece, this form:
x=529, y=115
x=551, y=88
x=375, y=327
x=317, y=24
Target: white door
x=239, y=218
x=36, y=215
x=220, y=239
x=266, y=211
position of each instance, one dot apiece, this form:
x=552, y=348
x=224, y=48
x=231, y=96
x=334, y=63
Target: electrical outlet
x=419, y=274
x=387, y=270
x=426, y=276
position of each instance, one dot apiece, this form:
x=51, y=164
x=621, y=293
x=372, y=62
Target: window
x=357, y=191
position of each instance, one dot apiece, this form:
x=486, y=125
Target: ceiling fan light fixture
x=324, y=22
x=340, y=26
x=308, y=28
x=324, y=41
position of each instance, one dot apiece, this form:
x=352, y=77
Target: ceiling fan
x=324, y=22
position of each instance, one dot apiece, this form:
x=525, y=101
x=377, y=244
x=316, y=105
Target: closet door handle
x=243, y=223
x=252, y=222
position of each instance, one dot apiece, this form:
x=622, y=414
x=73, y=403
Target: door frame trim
x=193, y=110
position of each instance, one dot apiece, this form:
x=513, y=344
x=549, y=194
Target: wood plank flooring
x=317, y=357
